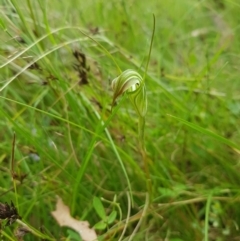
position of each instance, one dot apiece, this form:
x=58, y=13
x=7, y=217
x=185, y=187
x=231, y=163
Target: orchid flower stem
x=141, y=124
x=132, y=83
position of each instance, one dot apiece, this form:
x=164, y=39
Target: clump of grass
x=70, y=144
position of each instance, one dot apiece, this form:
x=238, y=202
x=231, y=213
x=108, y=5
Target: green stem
x=35, y=231
x=141, y=125
x=32, y=14
x=207, y=212
x=150, y=49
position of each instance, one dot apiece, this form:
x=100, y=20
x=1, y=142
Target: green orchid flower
x=131, y=82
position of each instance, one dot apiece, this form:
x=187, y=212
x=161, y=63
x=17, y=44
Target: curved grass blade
x=207, y=132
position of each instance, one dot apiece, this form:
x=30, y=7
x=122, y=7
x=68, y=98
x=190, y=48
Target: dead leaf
x=63, y=217
x=20, y=232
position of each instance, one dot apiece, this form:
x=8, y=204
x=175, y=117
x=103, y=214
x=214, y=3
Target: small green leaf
x=115, y=198
x=112, y=217
x=100, y=225
x=166, y=192
x=73, y=236
x=98, y=206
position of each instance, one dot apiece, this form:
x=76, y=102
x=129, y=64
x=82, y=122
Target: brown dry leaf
x=63, y=217
x=20, y=232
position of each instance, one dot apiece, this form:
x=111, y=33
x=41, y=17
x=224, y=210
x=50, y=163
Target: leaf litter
x=63, y=217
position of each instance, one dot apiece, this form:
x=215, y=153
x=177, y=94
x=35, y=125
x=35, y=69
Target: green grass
x=86, y=151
